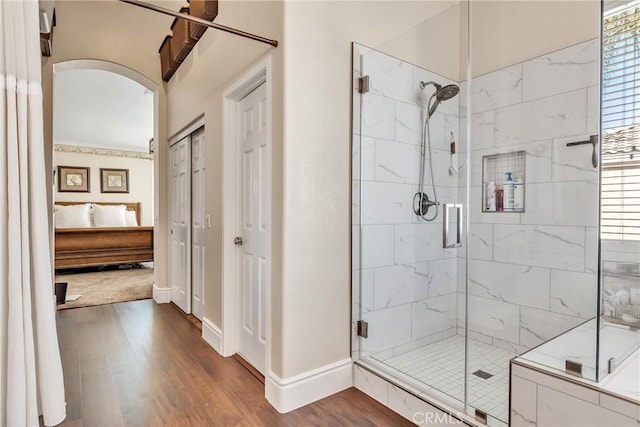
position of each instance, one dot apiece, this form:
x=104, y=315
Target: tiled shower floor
x=441, y=366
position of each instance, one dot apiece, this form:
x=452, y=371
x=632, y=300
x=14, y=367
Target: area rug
x=107, y=287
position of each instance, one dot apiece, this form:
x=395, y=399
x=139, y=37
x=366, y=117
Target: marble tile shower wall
x=532, y=274
x=409, y=284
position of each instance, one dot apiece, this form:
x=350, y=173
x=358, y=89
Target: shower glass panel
x=620, y=189
x=532, y=262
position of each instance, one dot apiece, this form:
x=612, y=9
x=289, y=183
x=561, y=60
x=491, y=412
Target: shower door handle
x=445, y=226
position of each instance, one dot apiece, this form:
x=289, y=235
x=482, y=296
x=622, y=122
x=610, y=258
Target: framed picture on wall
x=73, y=179
x=114, y=180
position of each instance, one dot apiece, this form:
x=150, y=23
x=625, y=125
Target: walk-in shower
x=444, y=320
x=421, y=201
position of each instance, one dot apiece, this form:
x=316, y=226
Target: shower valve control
x=238, y=241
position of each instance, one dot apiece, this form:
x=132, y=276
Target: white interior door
x=253, y=199
x=180, y=223
x=197, y=223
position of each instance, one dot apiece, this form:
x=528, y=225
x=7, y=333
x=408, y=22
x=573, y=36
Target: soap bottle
x=508, y=193
x=491, y=197
x=518, y=195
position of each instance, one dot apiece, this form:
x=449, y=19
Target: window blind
x=620, y=216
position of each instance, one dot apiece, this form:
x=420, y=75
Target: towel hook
x=593, y=140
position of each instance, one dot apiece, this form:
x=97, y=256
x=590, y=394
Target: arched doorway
x=105, y=122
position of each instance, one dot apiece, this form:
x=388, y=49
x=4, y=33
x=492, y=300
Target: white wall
x=140, y=180
x=506, y=32
x=96, y=108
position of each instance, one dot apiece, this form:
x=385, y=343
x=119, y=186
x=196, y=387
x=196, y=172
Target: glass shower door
x=407, y=300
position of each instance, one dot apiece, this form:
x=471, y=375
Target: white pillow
x=130, y=218
x=72, y=216
x=109, y=216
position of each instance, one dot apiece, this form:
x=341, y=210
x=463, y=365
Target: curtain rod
x=201, y=21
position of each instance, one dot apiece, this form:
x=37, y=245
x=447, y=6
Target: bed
x=92, y=246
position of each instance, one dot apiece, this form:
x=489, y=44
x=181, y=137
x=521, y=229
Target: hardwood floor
x=142, y=364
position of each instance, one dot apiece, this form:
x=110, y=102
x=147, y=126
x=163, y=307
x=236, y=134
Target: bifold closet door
x=198, y=225
x=180, y=222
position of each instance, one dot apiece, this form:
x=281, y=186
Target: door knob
x=238, y=241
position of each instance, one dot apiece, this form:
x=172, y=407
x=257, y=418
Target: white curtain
x=31, y=381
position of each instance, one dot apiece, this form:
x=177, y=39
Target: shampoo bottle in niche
x=491, y=197
x=508, y=193
x=518, y=195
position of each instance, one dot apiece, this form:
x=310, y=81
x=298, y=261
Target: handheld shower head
x=441, y=94
x=421, y=201
x=447, y=92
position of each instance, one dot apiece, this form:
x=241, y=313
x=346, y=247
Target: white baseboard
x=161, y=295
x=212, y=334
x=292, y=393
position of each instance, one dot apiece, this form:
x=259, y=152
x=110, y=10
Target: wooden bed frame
x=90, y=247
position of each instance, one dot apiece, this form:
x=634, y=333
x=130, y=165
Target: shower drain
x=482, y=374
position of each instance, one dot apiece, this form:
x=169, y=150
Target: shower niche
x=503, y=177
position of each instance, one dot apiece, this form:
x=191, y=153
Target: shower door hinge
x=363, y=84
x=481, y=416
x=363, y=329
x=573, y=368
